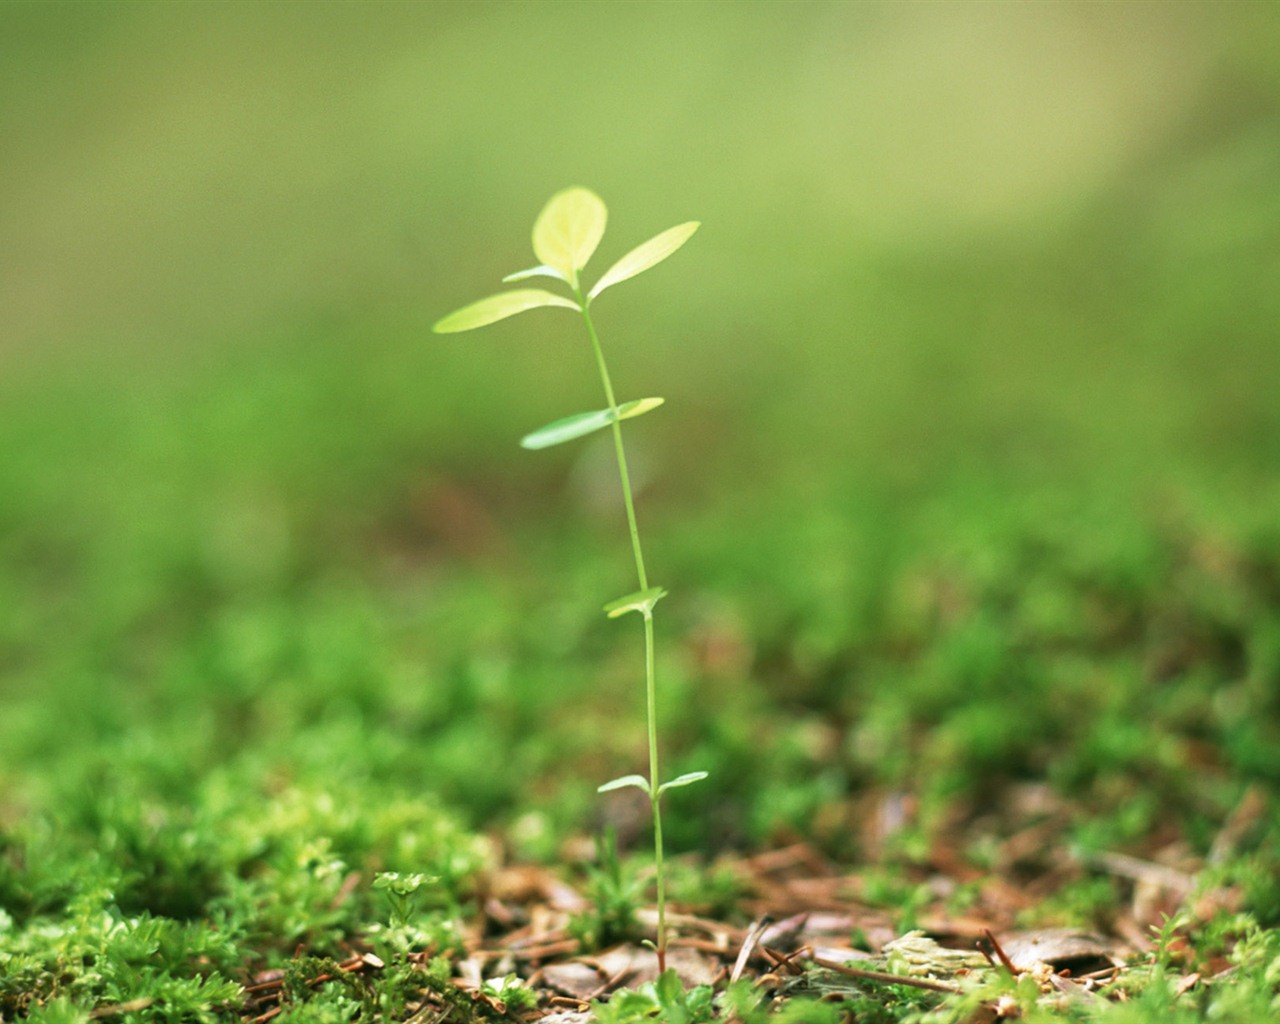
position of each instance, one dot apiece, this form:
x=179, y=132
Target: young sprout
x=565, y=236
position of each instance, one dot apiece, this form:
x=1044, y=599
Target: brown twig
x=544, y=951
x=999, y=951
x=889, y=979
x=616, y=979
x=786, y=960
x=1159, y=875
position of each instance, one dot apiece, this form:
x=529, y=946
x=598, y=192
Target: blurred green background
x=985, y=303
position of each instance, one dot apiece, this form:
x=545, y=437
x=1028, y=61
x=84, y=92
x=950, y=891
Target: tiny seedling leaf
x=646, y=255
x=522, y=275
x=630, y=410
x=562, y=430
x=641, y=601
x=686, y=779
x=583, y=423
x=568, y=230
x=639, y=781
x=402, y=885
x=499, y=307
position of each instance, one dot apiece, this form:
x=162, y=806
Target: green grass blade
x=568, y=230
x=646, y=255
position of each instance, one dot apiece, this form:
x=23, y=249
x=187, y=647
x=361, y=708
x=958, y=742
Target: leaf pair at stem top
x=565, y=237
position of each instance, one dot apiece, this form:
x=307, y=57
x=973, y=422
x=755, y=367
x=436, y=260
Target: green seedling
x=402, y=893
x=565, y=236
x=613, y=895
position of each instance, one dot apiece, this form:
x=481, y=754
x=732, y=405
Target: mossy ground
x=239, y=687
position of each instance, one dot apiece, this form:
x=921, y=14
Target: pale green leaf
x=639, y=781
x=630, y=410
x=568, y=230
x=641, y=601
x=583, y=423
x=402, y=885
x=499, y=307
x=646, y=255
x=686, y=779
x=567, y=429
x=523, y=275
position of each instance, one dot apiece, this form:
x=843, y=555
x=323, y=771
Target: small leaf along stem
x=651, y=688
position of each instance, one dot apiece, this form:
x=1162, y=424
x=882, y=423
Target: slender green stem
x=654, y=795
x=651, y=689
x=617, y=445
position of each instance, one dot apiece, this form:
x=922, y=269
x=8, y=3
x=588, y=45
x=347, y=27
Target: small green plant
x=565, y=236
x=511, y=993
x=663, y=999
x=401, y=891
x=613, y=895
